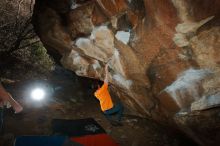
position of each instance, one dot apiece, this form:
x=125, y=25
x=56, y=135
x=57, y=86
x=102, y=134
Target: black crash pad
x=75, y=128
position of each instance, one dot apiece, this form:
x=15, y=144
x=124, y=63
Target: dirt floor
x=72, y=101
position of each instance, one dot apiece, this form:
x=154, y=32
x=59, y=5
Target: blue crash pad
x=40, y=140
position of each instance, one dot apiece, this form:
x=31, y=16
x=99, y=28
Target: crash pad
x=95, y=140
x=44, y=141
x=75, y=128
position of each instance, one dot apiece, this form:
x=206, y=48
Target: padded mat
x=75, y=128
x=95, y=140
x=44, y=141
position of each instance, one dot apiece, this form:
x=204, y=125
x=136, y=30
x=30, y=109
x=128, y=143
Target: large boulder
x=163, y=55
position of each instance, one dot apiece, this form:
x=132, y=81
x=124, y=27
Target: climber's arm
x=106, y=73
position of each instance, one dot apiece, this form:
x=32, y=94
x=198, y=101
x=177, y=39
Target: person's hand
x=18, y=108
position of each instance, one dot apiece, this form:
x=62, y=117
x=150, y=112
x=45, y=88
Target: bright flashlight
x=38, y=94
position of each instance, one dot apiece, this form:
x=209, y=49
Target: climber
x=6, y=97
x=108, y=108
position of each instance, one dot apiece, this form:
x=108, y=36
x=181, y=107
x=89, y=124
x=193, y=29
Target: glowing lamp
x=38, y=94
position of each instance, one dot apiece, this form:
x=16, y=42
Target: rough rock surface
x=163, y=55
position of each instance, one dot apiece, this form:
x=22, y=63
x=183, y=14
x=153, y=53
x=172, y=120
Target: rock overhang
x=166, y=39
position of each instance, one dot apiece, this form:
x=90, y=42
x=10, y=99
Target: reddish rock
x=79, y=20
x=112, y=7
x=98, y=17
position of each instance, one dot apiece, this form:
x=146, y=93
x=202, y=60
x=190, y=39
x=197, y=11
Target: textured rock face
x=163, y=55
